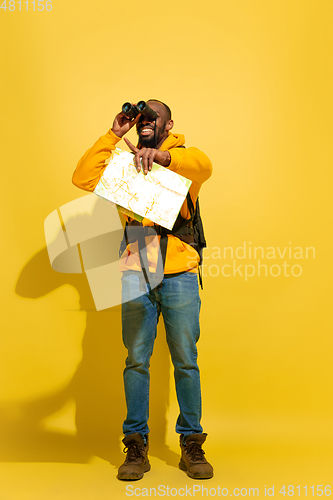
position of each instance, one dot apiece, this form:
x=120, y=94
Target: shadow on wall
x=96, y=387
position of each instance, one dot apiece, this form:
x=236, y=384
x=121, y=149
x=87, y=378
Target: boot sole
x=183, y=466
x=133, y=476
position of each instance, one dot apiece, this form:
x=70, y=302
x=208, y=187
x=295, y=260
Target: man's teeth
x=146, y=130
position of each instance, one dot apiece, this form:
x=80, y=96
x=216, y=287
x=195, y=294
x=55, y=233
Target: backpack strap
x=199, y=236
x=183, y=229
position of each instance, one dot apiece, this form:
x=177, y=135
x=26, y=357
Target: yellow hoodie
x=188, y=162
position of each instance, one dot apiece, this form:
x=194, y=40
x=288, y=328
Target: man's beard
x=148, y=143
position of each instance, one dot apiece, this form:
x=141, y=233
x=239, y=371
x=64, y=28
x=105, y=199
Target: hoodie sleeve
x=191, y=163
x=92, y=164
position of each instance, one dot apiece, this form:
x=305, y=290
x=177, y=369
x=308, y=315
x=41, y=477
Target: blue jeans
x=178, y=300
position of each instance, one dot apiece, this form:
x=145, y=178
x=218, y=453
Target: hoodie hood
x=173, y=141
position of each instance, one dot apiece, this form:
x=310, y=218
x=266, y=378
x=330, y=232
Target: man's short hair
x=168, y=110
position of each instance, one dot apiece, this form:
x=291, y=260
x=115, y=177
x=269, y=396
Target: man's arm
x=191, y=163
x=90, y=168
x=92, y=164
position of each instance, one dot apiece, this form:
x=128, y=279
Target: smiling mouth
x=146, y=130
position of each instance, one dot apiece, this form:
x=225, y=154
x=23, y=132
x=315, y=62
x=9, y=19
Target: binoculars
x=133, y=110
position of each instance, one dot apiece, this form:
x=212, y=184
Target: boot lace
x=134, y=451
x=195, y=452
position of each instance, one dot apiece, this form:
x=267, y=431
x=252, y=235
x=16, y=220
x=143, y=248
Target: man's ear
x=169, y=125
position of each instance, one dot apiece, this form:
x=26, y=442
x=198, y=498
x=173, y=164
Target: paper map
x=157, y=196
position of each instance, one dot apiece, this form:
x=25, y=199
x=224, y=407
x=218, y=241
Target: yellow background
x=249, y=83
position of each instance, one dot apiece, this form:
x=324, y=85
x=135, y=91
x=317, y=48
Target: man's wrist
x=166, y=159
x=117, y=133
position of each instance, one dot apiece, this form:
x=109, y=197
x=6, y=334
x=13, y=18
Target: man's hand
x=123, y=123
x=148, y=156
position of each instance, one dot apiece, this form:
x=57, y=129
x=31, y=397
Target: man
x=177, y=297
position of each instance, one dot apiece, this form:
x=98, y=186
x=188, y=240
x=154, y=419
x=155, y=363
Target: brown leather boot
x=193, y=460
x=136, y=462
